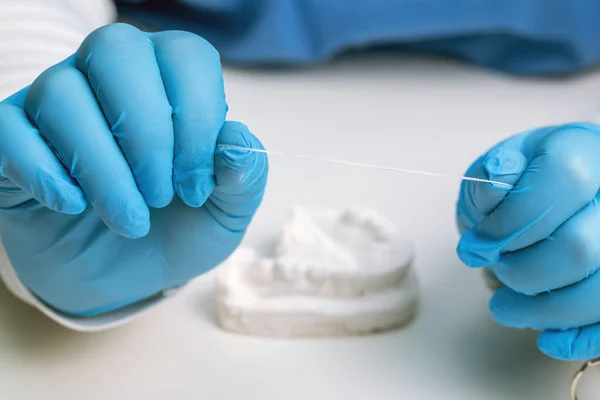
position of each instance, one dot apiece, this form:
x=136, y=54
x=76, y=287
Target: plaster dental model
x=333, y=273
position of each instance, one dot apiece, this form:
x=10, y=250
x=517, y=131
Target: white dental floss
x=370, y=166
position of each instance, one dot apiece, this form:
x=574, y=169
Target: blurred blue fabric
x=525, y=37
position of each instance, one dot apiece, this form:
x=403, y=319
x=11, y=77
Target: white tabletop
x=419, y=114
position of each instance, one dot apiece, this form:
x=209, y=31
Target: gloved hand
x=541, y=238
x=113, y=187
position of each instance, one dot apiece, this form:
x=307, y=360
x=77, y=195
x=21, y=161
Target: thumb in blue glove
x=477, y=200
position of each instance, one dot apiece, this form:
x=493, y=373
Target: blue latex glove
x=542, y=237
x=121, y=135
x=521, y=37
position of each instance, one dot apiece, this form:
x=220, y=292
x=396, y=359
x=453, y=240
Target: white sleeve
x=34, y=35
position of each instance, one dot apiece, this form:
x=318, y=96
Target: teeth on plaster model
x=333, y=273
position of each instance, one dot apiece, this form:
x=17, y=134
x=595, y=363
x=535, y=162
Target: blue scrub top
x=525, y=37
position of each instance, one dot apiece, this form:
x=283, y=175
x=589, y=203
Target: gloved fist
x=541, y=238
x=120, y=136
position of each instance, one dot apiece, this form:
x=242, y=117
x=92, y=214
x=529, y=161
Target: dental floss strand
x=370, y=166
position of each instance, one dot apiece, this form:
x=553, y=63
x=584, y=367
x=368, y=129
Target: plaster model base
x=333, y=273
